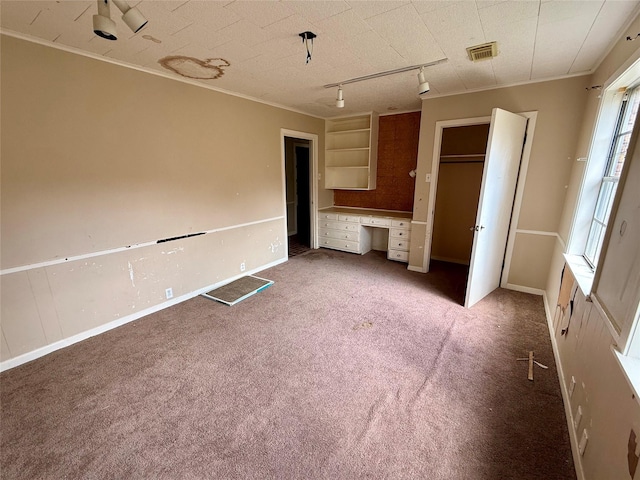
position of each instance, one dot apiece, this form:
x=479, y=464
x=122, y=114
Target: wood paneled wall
x=397, y=156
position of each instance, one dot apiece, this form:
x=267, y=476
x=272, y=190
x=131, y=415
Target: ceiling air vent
x=483, y=52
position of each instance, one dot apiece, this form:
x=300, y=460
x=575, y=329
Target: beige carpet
x=347, y=367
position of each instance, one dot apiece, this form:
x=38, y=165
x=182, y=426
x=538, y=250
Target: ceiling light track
x=384, y=74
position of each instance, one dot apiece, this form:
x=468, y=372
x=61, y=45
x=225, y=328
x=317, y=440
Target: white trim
x=631, y=370
x=508, y=85
x=522, y=288
x=313, y=187
x=517, y=201
x=151, y=71
x=573, y=437
x=411, y=268
x=52, y=347
x=368, y=209
x=399, y=112
x=418, y=222
x=435, y=166
x=100, y=253
x=537, y=232
x=618, y=35
x=615, y=334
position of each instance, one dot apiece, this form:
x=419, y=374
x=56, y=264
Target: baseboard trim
x=450, y=260
x=66, y=342
x=573, y=436
x=522, y=288
x=413, y=268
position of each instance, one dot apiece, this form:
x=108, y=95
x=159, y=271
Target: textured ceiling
x=259, y=41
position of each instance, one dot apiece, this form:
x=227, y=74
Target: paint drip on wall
x=208, y=69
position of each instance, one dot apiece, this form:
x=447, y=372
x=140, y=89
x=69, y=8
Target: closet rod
x=461, y=161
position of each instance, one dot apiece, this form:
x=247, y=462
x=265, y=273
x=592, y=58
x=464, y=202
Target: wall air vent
x=483, y=52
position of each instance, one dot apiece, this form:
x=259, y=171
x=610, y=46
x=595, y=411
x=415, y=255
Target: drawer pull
x=400, y=234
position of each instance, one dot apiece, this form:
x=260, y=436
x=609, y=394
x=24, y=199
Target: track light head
x=423, y=85
x=131, y=16
x=340, y=99
x=103, y=26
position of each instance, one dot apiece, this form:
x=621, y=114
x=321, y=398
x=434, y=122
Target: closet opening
x=461, y=164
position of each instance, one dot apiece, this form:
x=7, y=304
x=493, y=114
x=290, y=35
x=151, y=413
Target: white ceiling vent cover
x=483, y=52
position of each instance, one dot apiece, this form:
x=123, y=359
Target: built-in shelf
x=351, y=152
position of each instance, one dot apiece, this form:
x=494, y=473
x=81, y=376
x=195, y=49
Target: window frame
x=610, y=177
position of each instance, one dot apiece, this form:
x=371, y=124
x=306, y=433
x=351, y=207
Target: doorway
x=461, y=163
x=299, y=158
x=502, y=167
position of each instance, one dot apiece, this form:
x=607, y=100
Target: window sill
x=581, y=271
x=631, y=369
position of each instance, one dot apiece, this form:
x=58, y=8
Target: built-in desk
x=350, y=230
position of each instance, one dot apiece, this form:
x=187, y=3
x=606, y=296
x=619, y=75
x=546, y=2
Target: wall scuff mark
x=632, y=457
x=131, y=274
x=171, y=239
x=195, y=68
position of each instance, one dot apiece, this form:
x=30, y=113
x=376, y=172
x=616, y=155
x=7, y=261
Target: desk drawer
x=344, y=245
x=339, y=234
x=328, y=216
x=352, y=227
x=349, y=218
x=399, y=233
x=401, y=223
x=381, y=222
x=398, y=244
x=398, y=255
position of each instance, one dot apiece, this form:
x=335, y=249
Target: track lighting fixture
x=340, y=99
x=423, y=85
x=104, y=27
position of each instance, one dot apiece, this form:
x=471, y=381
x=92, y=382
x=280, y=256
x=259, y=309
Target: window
x=611, y=175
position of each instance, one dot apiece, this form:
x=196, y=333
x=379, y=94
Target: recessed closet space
x=462, y=155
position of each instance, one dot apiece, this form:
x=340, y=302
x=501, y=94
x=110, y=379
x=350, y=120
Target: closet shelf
x=463, y=158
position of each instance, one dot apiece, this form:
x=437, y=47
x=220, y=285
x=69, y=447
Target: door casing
x=524, y=164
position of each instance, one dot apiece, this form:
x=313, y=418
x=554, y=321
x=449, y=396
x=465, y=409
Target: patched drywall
x=118, y=184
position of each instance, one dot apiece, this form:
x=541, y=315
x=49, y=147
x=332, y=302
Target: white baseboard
x=413, y=268
x=450, y=260
x=573, y=436
x=65, y=342
x=522, y=288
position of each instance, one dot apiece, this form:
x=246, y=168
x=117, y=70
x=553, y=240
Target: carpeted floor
x=347, y=367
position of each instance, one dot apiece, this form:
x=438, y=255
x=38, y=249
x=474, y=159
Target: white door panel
x=499, y=179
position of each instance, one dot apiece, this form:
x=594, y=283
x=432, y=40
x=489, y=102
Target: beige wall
x=560, y=105
x=98, y=157
x=610, y=410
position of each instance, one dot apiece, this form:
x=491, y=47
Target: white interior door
x=499, y=179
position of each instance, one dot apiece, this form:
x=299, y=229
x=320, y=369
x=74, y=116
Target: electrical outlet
x=583, y=442
x=169, y=293
x=577, y=418
x=572, y=386
x=242, y=267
